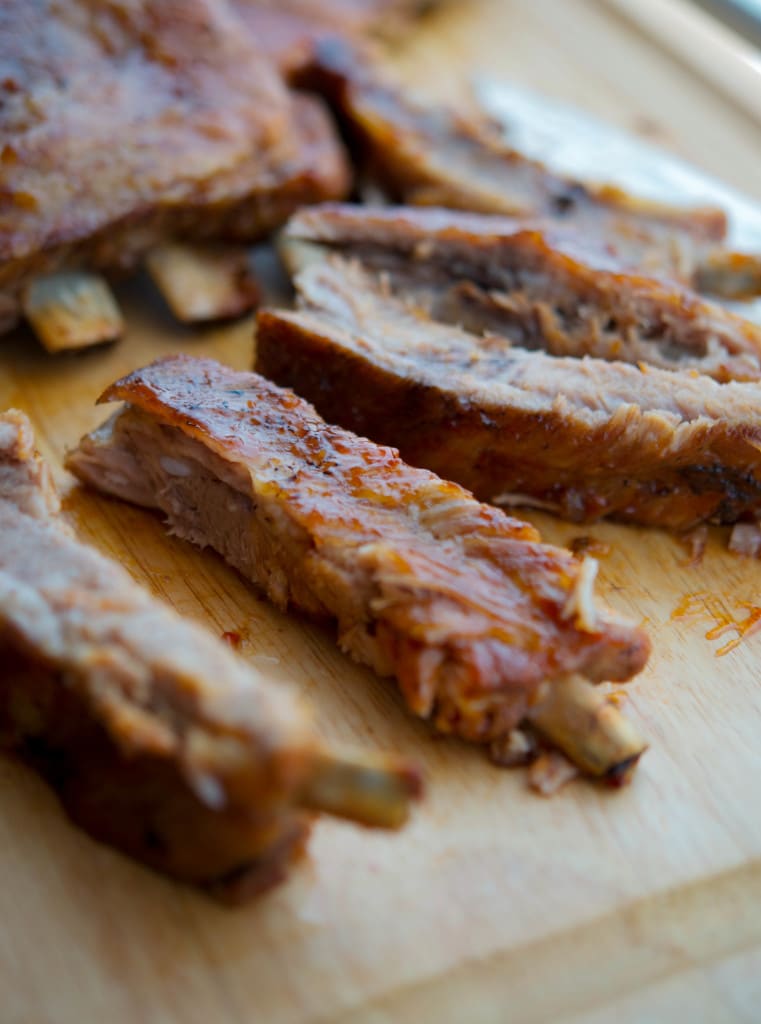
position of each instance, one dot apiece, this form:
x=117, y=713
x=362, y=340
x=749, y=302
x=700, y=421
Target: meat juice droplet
x=704, y=605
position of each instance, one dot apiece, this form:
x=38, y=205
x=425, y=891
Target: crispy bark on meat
x=582, y=437
x=463, y=604
x=431, y=156
x=539, y=284
x=159, y=740
x=123, y=123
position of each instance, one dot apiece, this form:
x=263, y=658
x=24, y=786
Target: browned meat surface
x=123, y=122
x=582, y=437
x=538, y=284
x=289, y=30
x=464, y=605
x=158, y=739
x=431, y=156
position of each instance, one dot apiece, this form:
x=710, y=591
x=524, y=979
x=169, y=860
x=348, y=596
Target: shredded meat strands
x=695, y=542
x=540, y=284
x=586, y=438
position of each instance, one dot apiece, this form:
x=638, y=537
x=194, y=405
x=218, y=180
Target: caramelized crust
x=460, y=602
x=124, y=122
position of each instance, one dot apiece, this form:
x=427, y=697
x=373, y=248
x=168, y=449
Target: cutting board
x=494, y=904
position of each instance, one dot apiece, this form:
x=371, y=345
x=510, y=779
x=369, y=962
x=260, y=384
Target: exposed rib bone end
x=71, y=310
x=586, y=726
x=204, y=282
x=374, y=791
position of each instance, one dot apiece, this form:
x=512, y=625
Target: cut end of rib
x=621, y=774
x=373, y=791
x=580, y=720
x=72, y=310
x=204, y=282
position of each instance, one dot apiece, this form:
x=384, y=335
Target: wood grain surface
x=495, y=904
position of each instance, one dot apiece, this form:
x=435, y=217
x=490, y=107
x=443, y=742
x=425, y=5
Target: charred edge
x=738, y=490
x=620, y=775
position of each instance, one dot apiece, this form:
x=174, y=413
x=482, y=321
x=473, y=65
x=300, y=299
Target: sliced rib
x=582, y=437
x=429, y=155
x=539, y=284
x=463, y=604
x=159, y=740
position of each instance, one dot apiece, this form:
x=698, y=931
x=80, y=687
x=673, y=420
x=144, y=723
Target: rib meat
x=289, y=30
x=159, y=740
x=464, y=605
x=582, y=437
x=123, y=122
x=428, y=155
x=539, y=284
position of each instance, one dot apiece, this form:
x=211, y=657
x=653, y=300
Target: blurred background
x=742, y=15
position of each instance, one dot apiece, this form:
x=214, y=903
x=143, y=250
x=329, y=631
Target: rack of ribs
x=483, y=626
x=124, y=126
x=159, y=739
x=584, y=438
x=539, y=284
x=430, y=155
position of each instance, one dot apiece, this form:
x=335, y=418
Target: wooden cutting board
x=494, y=904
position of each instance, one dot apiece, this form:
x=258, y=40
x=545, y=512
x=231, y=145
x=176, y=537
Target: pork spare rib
x=159, y=740
x=537, y=283
x=584, y=438
x=424, y=154
x=482, y=625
